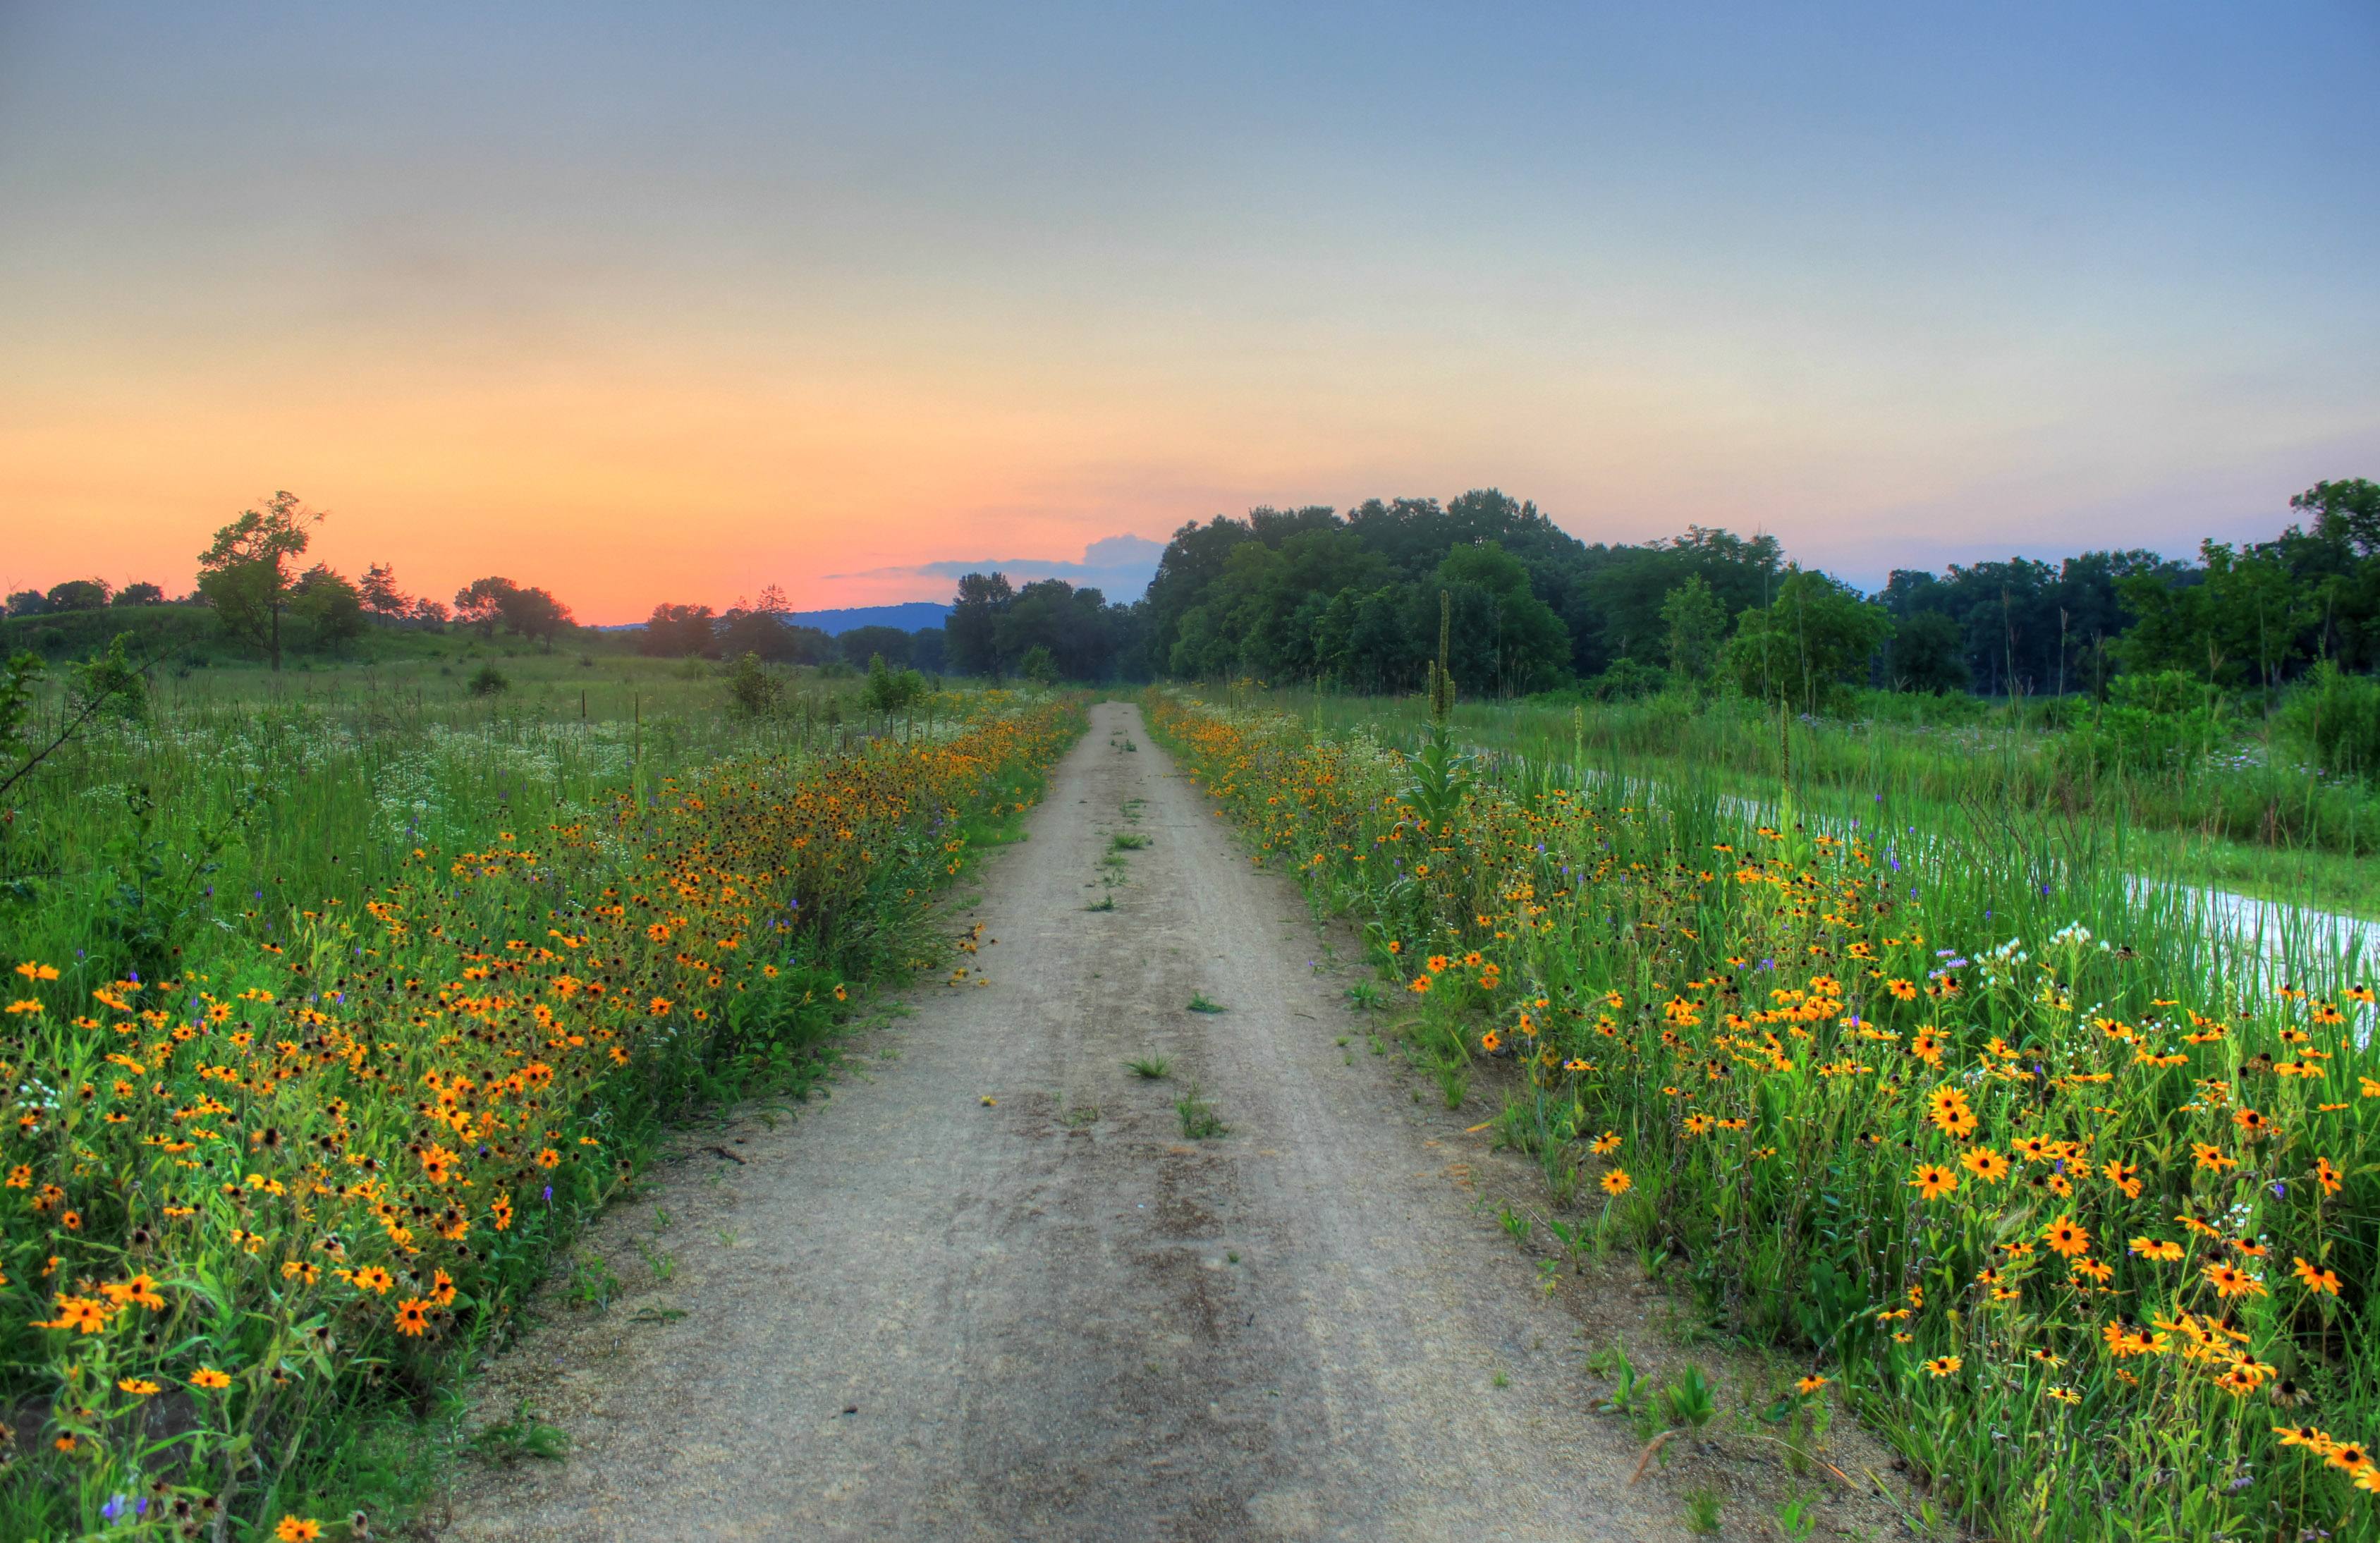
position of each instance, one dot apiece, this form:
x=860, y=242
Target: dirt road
x=914, y=1316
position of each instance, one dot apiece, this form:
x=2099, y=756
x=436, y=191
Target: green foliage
x=1808, y=649
x=1199, y=1121
x=489, y=681
x=752, y=690
x=1694, y=625
x=244, y=573
x=1927, y=654
x=2333, y=719
x=1038, y=665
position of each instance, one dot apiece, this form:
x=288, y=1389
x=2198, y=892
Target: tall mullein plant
x=1441, y=773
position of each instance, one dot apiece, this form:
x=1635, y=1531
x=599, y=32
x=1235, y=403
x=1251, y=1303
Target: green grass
x=1151, y=1066
x=230, y=841
x=2246, y=820
x=1720, y=997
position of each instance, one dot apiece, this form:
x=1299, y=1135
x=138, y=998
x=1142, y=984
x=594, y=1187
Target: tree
x=1802, y=651
x=928, y=649
x=481, y=604
x=862, y=643
x=246, y=573
x=429, y=613
x=677, y=631
x=79, y=595
x=759, y=634
x=1503, y=635
x=2346, y=512
x=2244, y=614
x=890, y=691
x=380, y=596
x=976, y=611
x=329, y=604
x=138, y=594
x=1037, y=666
x=1696, y=627
x=1927, y=654
x=522, y=610
x=27, y=603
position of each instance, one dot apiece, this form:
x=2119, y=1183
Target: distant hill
x=914, y=616
x=909, y=616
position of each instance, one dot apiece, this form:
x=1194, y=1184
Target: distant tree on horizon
x=245, y=575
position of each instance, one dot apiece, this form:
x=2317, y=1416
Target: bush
x=752, y=691
x=489, y=682
x=2333, y=719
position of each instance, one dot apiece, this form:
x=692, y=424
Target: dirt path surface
x=913, y=1315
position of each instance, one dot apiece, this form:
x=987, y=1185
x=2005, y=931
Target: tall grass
x=2067, y=1190
x=338, y=1008
x=2248, y=818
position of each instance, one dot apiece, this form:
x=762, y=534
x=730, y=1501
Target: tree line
x=1354, y=598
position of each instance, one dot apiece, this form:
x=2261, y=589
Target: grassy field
x=2070, y=1198
x=343, y=996
x=2252, y=825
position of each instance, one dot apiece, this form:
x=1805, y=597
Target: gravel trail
x=913, y=1315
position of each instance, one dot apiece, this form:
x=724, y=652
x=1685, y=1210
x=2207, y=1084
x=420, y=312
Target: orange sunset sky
x=646, y=305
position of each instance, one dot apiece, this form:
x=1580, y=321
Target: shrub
x=489, y=682
x=2334, y=720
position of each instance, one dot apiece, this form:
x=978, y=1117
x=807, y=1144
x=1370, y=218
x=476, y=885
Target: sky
x=669, y=303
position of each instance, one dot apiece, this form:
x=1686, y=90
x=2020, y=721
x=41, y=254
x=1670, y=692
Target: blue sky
x=698, y=298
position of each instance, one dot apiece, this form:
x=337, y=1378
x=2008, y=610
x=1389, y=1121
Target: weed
x=591, y=1283
x=1152, y=1066
x=1702, y=1509
x=1234, y=1255
x=726, y=1238
x=1516, y=1225
x=1689, y=1404
x=662, y=1263
x=1105, y=903
x=522, y=1435
x=1085, y=1116
x=1797, y=1517
x=1500, y=1379
x=1198, y=1003
x=1199, y=1121
x=656, y=1314
x=1363, y=996
x=1129, y=841
x=1454, y=1075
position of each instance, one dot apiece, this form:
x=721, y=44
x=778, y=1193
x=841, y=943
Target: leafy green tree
x=1928, y=655
x=247, y=574
x=971, y=629
x=329, y=605
x=380, y=596
x=675, y=631
x=1073, y=625
x=27, y=603
x=2241, y=620
x=79, y=594
x=1038, y=665
x=1697, y=627
x=865, y=643
x=1503, y=635
x=1816, y=639
x=138, y=594
x=2346, y=512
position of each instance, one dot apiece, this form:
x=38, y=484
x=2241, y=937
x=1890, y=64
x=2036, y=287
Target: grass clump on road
x=1152, y=1066
x=1199, y=1121
x=1199, y=1003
